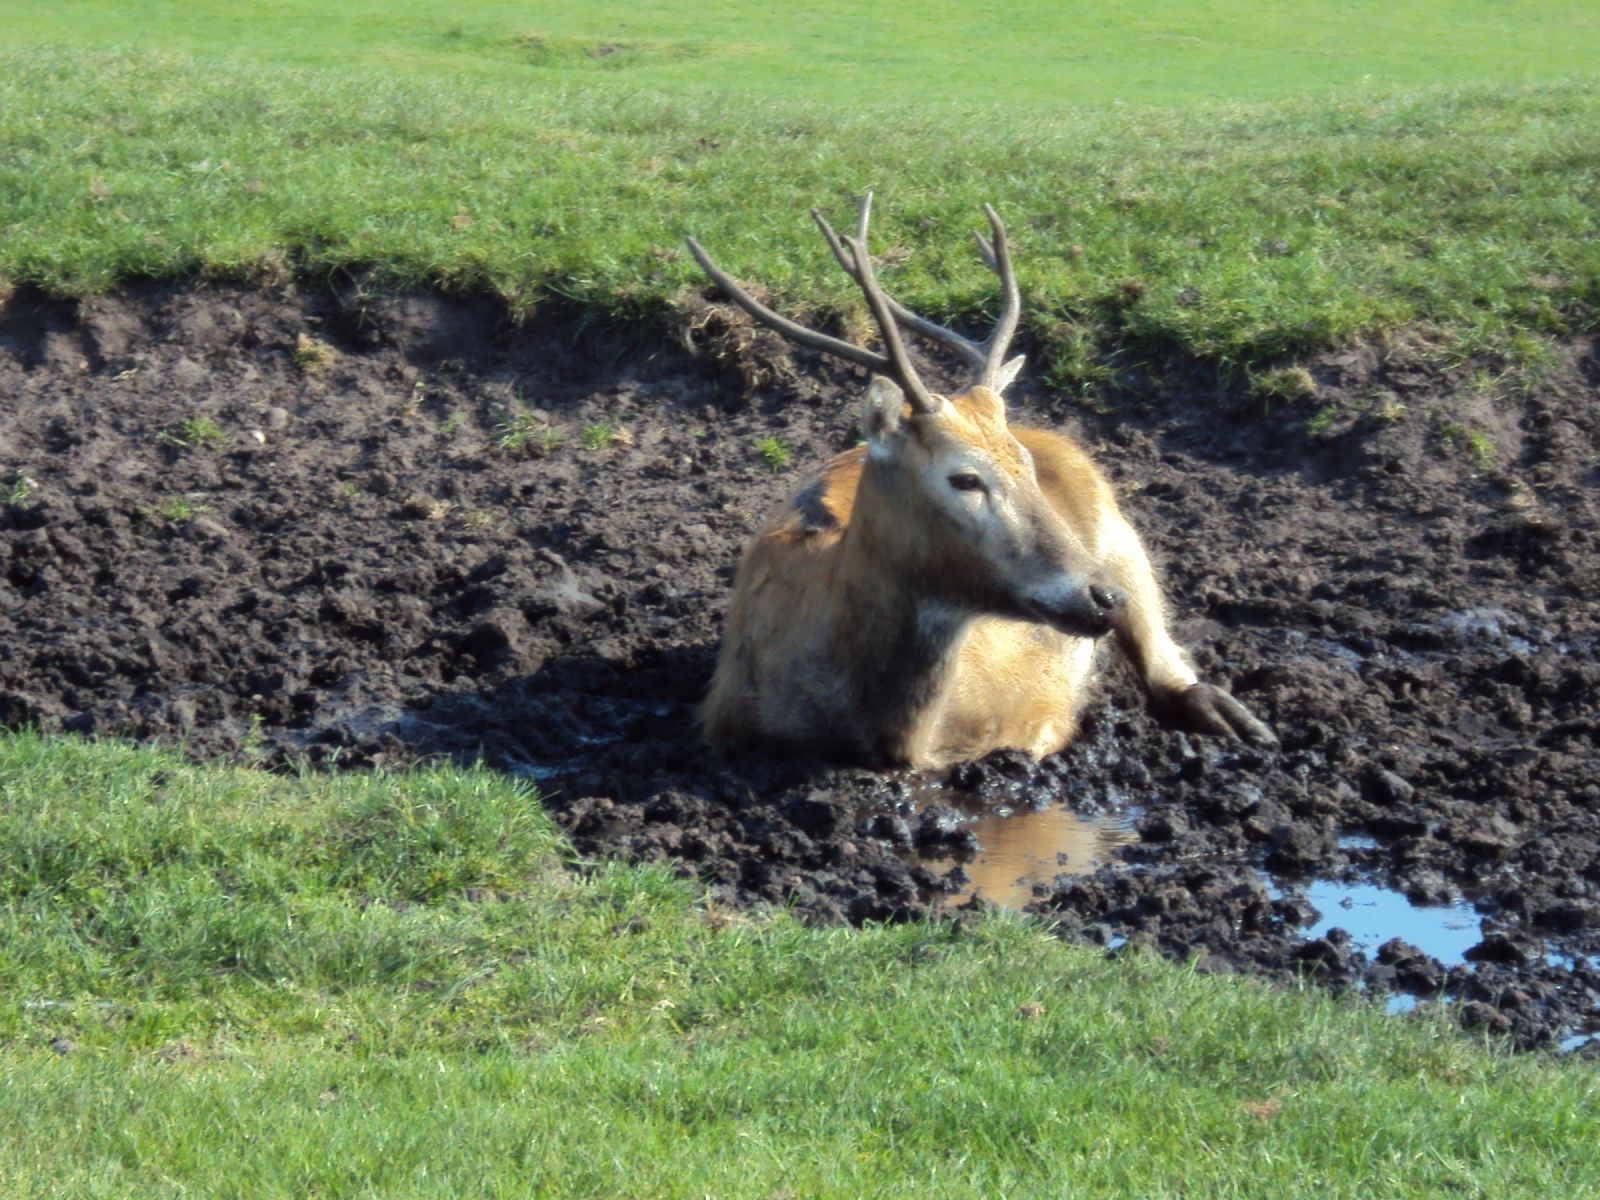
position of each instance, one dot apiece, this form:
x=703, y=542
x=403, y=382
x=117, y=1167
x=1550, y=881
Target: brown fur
x=824, y=645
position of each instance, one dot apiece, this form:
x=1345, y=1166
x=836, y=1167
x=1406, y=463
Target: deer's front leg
x=1142, y=633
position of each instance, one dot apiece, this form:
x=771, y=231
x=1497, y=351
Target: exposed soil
x=287, y=526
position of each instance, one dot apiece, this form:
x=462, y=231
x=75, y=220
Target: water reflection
x=1024, y=848
x=1372, y=915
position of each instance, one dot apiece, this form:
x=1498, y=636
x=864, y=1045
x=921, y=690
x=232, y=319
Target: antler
x=896, y=363
x=792, y=330
x=985, y=357
x=916, y=393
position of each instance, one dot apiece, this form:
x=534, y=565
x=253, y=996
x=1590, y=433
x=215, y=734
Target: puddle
x=1571, y=960
x=1372, y=915
x=1023, y=848
x=1571, y=1045
x=1303, y=646
x=1358, y=841
x=1484, y=624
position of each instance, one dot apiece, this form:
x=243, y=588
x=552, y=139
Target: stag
x=941, y=591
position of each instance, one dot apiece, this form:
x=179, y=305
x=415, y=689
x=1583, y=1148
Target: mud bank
x=367, y=531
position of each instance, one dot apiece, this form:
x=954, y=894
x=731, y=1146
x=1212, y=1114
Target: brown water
x=1022, y=848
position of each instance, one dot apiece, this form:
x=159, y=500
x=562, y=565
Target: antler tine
x=792, y=330
x=998, y=257
x=985, y=249
x=832, y=238
x=971, y=352
x=917, y=394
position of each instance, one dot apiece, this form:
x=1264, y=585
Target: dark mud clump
x=368, y=531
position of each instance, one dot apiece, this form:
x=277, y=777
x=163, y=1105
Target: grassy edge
x=397, y=982
x=1239, y=234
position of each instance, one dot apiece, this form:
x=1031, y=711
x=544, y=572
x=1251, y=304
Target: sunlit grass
x=943, y=53
x=221, y=982
x=1236, y=232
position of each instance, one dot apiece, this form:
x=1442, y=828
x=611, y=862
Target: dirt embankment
x=370, y=531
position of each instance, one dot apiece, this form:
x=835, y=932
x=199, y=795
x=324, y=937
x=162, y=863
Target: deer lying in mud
x=940, y=592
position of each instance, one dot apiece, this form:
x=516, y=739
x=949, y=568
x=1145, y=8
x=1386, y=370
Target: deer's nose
x=1108, y=600
x=1089, y=611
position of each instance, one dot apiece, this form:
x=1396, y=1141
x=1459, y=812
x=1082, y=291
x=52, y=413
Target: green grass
x=1289, y=195
x=773, y=452
x=522, y=432
x=1321, y=421
x=220, y=982
x=196, y=433
x=944, y=53
x=599, y=436
x=175, y=510
x=22, y=491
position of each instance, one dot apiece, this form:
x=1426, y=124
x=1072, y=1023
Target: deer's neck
x=893, y=638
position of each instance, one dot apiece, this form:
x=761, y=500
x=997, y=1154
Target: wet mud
x=363, y=531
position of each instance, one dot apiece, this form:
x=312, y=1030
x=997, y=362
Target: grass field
x=220, y=982
x=1257, y=195
x=1034, y=52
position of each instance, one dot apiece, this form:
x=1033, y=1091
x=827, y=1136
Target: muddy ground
x=367, y=530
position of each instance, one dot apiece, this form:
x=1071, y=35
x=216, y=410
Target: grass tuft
x=311, y=354
x=523, y=432
x=1484, y=454
x=196, y=433
x=175, y=510
x=1288, y=385
x=602, y=436
x=1321, y=421
x=22, y=491
x=773, y=452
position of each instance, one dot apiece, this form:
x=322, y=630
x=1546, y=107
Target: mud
x=364, y=531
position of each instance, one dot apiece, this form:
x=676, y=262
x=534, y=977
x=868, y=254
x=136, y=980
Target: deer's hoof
x=1212, y=710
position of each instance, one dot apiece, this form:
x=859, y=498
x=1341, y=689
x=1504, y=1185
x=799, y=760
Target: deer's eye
x=967, y=481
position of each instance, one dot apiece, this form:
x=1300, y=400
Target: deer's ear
x=1009, y=372
x=886, y=417
x=883, y=417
